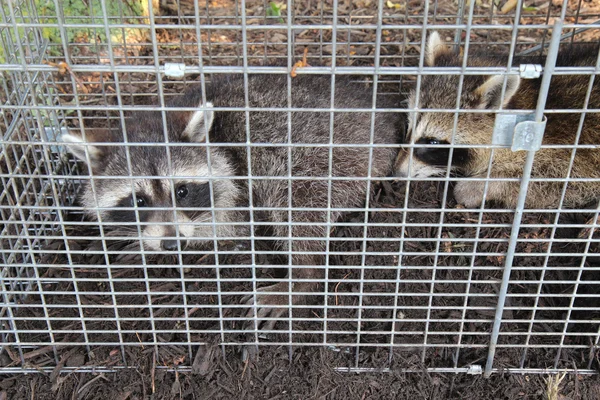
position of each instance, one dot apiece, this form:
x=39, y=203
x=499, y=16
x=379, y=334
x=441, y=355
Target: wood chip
x=203, y=360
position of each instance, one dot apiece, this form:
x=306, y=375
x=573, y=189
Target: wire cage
x=413, y=280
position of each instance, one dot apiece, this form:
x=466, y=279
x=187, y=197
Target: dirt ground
x=310, y=372
x=310, y=375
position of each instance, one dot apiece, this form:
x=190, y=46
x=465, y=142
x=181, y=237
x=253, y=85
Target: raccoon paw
x=267, y=305
x=469, y=193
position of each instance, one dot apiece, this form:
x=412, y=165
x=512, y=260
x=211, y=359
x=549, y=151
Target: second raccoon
x=485, y=92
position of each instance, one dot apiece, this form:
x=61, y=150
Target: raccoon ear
x=200, y=123
x=77, y=146
x=490, y=92
x=435, y=48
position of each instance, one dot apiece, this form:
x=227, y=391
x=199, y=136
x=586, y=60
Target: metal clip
x=518, y=131
x=530, y=71
x=52, y=135
x=475, y=369
x=175, y=70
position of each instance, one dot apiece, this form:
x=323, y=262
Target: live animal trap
x=410, y=278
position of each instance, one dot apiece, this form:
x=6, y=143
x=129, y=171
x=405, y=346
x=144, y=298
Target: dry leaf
x=509, y=6
x=395, y=6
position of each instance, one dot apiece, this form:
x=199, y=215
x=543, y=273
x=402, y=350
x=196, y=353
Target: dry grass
x=553, y=383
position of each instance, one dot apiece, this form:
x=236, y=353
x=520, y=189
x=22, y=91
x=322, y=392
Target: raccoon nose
x=171, y=244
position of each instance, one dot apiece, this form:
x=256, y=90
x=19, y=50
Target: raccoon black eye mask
x=188, y=196
x=439, y=156
x=193, y=195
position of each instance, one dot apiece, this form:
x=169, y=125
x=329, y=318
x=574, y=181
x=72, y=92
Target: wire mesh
x=409, y=279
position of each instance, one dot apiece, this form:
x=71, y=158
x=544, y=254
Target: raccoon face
x=432, y=132
x=166, y=195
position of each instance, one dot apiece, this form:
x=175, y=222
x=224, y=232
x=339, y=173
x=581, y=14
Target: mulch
x=426, y=287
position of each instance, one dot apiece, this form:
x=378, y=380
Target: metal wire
x=465, y=290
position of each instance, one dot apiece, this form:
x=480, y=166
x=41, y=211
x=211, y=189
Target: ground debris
x=310, y=375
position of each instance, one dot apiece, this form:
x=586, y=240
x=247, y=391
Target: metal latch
x=518, y=131
x=175, y=70
x=530, y=71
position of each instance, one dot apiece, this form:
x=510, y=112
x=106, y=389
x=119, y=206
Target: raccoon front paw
x=268, y=304
x=469, y=193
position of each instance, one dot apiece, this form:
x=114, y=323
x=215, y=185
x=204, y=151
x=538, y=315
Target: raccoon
x=183, y=180
x=485, y=92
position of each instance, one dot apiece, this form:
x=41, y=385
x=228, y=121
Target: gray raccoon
x=480, y=92
x=231, y=159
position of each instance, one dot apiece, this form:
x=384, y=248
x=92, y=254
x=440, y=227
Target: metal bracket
x=175, y=70
x=530, y=71
x=52, y=135
x=518, y=131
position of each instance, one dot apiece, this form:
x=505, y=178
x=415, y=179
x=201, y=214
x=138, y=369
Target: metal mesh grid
x=410, y=280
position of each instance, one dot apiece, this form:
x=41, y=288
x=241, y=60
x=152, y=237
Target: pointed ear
x=77, y=146
x=435, y=48
x=491, y=91
x=199, y=123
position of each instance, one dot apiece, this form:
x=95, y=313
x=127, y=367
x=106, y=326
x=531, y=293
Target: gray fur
x=230, y=127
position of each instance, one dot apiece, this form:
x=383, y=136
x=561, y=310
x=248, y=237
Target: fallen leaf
x=278, y=38
x=509, y=6
x=394, y=5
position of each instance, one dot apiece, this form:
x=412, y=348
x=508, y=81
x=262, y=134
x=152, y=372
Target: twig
x=38, y=352
x=337, y=286
x=139, y=339
x=63, y=67
x=143, y=383
x=153, y=372
x=300, y=64
x=13, y=356
x=245, y=367
x=589, y=231
x=101, y=376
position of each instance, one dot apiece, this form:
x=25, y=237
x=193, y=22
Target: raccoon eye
x=139, y=201
x=433, y=141
x=181, y=192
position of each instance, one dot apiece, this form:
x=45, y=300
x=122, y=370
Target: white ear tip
x=434, y=38
x=196, y=127
x=435, y=46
